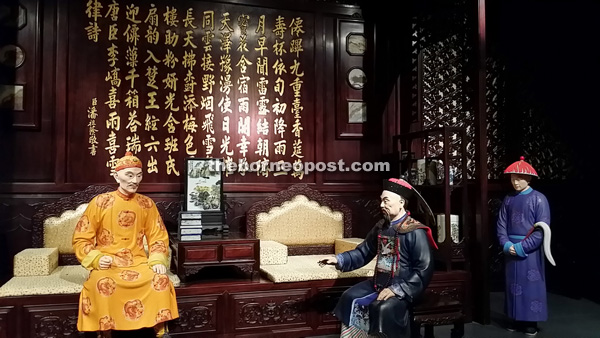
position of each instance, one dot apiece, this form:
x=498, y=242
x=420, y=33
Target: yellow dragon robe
x=128, y=295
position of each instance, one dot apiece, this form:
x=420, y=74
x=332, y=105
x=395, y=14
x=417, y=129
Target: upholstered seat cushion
x=35, y=262
x=65, y=279
x=305, y=267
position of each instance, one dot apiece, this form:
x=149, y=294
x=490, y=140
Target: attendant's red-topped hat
x=521, y=167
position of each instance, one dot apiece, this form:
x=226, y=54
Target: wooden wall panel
x=90, y=69
x=72, y=71
x=24, y=124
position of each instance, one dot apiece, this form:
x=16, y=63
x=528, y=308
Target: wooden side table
x=231, y=250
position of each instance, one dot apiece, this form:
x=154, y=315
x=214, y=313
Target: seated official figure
x=126, y=289
x=403, y=269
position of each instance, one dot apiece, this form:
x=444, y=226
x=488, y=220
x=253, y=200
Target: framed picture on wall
x=357, y=112
x=356, y=78
x=356, y=44
x=203, y=184
x=12, y=97
x=12, y=56
x=13, y=16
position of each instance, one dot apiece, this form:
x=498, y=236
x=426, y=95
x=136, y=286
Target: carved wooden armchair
x=50, y=266
x=297, y=227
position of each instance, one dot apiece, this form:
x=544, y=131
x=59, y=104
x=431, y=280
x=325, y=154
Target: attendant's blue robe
x=525, y=295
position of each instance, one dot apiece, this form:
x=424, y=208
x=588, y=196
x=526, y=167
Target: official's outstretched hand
x=327, y=261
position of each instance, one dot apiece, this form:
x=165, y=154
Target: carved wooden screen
x=441, y=62
x=169, y=80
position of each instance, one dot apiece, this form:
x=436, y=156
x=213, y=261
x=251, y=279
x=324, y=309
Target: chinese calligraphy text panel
x=168, y=81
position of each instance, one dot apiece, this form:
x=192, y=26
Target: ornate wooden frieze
x=194, y=317
x=453, y=293
x=5, y=321
x=54, y=323
x=192, y=269
x=169, y=211
x=246, y=268
x=271, y=312
x=441, y=320
x=268, y=308
x=458, y=252
x=324, y=302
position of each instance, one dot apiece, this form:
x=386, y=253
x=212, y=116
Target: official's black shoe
x=513, y=326
x=531, y=331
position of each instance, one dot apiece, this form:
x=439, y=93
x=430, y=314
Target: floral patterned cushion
x=300, y=221
x=305, y=267
x=35, y=262
x=66, y=279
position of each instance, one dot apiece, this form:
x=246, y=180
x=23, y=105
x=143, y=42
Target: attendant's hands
x=327, y=261
x=159, y=268
x=385, y=294
x=512, y=250
x=104, y=262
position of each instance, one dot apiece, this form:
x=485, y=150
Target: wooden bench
x=50, y=267
x=227, y=307
x=299, y=226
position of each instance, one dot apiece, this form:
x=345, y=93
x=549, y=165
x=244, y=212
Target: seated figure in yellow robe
x=127, y=289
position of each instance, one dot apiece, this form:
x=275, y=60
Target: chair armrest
x=35, y=262
x=273, y=253
x=346, y=244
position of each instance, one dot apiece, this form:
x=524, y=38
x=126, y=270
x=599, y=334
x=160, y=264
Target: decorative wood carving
x=193, y=269
x=234, y=213
x=310, y=249
x=458, y=252
x=271, y=312
x=169, y=211
x=343, y=2
x=285, y=195
x=194, y=318
x=55, y=324
x=439, y=319
x=68, y=259
x=14, y=217
x=246, y=268
x=450, y=292
x=370, y=207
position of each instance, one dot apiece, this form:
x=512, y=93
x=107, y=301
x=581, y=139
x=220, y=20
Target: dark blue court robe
x=412, y=271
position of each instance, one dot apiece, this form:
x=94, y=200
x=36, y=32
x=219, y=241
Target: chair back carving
x=302, y=218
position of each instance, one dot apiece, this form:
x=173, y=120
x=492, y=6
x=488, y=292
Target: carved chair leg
x=429, y=331
x=459, y=330
x=415, y=328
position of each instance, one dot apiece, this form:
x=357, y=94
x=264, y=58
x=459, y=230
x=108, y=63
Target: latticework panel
x=441, y=57
x=516, y=125
x=494, y=102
